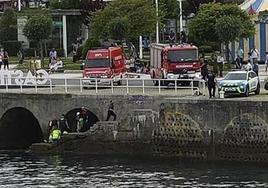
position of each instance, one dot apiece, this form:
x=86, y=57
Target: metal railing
x=102, y=86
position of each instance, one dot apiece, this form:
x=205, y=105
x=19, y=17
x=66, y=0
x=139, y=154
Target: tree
x=192, y=6
x=139, y=15
x=203, y=27
x=38, y=28
x=118, y=28
x=91, y=42
x=8, y=25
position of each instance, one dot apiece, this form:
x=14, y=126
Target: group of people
x=4, y=59
x=57, y=127
x=252, y=63
x=55, y=62
x=34, y=65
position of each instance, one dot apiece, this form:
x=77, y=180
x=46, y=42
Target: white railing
x=102, y=86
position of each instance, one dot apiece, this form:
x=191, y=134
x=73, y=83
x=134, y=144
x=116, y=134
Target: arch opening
x=19, y=129
x=71, y=119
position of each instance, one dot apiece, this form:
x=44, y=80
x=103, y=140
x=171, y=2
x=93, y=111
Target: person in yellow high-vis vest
x=55, y=135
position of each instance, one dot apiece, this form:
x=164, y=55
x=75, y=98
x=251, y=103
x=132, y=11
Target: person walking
x=111, y=111
x=211, y=83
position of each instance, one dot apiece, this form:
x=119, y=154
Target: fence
x=102, y=86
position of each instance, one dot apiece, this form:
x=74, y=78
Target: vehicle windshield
x=236, y=76
x=91, y=63
x=182, y=55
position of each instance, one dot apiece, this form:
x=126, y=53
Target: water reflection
x=20, y=169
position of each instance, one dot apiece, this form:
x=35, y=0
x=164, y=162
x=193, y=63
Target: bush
x=12, y=47
x=90, y=43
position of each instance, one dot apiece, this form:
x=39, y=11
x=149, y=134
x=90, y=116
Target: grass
x=68, y=64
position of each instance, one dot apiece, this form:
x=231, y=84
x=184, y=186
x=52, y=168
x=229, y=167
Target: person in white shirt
x=254, y=55
x=55, y=65
x=248, y=67
x=220, y=63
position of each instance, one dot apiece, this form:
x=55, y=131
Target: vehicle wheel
x=257, y=92
x=85, y=87
x=266, y=86
x=247, y=92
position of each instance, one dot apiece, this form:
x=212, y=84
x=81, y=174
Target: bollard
x=221, y=94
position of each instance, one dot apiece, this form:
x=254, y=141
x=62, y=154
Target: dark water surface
x=21, y=169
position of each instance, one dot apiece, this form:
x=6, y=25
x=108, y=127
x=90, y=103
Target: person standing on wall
x=6, y=63
x=111, y=111
x=211, y=83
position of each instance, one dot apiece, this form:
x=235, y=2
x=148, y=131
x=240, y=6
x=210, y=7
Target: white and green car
x=240, y=83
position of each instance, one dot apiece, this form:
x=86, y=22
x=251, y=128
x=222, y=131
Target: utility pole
x=157, y=22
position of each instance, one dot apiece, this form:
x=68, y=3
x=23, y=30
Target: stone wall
x=228, y=129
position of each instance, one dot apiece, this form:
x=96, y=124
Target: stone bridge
x=233, y=129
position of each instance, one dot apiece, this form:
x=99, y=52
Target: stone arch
x=179, y=135
x=19, y=128
x=70, y=116
x=244, y=139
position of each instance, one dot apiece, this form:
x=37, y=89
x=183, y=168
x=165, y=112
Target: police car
x=240, y=82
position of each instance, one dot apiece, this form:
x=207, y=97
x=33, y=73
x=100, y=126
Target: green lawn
x=68, y=64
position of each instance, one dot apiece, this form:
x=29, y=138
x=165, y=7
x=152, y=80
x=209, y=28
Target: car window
x=236, y=76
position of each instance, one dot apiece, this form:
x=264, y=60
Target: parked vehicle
x=240, y=83
x=174, y=62
x=103, y=64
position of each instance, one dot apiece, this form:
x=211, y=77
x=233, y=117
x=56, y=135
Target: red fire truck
x=103, y=64
x=174, y=62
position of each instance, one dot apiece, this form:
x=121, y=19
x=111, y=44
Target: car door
x=253, y=81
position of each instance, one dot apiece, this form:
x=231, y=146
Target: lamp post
x=19, y=5
x=180, y=6
x=157, y=22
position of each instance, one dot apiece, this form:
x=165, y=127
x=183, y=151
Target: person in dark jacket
x=111, y=111
x=211, y=83
x=63, y=124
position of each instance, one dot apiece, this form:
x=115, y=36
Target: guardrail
x=102, y=85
